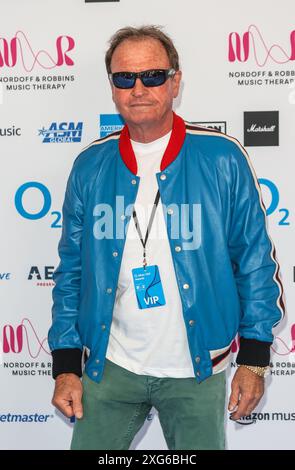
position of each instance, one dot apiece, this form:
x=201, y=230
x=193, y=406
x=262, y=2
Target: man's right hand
x=68, y=394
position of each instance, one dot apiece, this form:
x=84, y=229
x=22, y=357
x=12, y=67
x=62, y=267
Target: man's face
x=142, y=105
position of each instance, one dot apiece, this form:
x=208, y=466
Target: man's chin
x=141, y=118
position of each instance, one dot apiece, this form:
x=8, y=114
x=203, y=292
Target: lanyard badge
x=146, y=279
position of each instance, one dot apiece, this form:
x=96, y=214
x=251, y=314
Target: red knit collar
x=173, y=148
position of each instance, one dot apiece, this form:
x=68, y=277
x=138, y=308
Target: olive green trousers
x=191, y=414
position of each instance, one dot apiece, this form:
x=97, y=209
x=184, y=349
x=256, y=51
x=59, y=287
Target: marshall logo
x=261, y=128
x=254, y=128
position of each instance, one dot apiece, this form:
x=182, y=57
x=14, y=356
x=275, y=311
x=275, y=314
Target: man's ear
x=176, y=83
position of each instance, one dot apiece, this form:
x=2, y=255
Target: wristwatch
x=261, y=371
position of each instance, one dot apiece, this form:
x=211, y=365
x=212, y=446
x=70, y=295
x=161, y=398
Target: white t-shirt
x=151, y=341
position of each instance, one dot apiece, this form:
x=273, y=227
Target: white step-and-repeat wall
x=238, y=62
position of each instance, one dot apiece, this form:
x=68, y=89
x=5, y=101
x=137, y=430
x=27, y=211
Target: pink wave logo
x=24, y=335
x=279, y=346
x=239, y=48
x=19, y=48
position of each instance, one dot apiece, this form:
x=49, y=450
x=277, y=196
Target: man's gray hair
x=139, y=34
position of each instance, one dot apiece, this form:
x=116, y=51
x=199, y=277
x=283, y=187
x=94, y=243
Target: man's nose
x=139, y=88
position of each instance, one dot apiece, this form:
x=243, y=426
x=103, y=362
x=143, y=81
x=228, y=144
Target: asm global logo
x=63, y=132
x=25, y=418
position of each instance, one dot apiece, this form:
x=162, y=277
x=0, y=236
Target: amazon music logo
x=10, y=131
x=18, y=50
x=251, y=44
x=274, y=416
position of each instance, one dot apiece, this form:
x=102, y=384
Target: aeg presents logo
x=19, y=49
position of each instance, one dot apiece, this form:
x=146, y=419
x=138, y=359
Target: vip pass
x=147, y=281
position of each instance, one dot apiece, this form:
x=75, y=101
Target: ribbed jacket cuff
x=253, y=352
x=66, y=361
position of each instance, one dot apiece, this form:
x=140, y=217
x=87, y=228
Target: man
x=157, y=312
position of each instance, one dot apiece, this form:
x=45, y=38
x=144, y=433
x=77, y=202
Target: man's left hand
x=247, y=390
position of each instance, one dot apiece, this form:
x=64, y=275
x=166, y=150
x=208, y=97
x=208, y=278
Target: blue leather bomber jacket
x=227, y=273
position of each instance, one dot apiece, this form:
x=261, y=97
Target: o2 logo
x=274, y=201
x=18, y=201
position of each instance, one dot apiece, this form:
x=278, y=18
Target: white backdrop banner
x=238, y=63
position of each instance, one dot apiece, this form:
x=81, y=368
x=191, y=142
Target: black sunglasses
x=149, y=78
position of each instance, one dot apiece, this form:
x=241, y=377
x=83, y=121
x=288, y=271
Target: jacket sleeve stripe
x=191, y=129
x=276, y=277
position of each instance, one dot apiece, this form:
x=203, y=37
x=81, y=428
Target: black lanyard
x=148, y=228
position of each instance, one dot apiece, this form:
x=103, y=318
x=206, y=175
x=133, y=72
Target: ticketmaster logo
x=25, y=418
